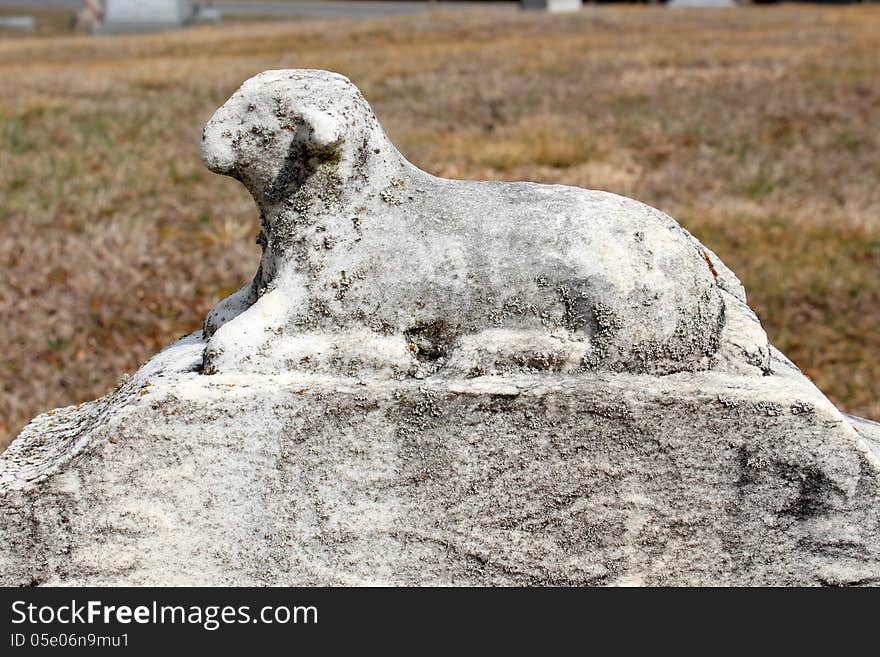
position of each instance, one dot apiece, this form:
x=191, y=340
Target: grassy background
x=757, y=128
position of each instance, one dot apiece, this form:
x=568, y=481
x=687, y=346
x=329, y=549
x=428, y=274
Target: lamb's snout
x=319, y=132
x=216, y=148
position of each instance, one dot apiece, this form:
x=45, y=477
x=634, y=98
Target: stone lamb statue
x=369, y=262
x=445, y=382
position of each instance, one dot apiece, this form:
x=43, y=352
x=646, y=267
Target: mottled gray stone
x=445, y=382
x=372, y=264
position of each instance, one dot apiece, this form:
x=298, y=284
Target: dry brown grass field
x=758, y=129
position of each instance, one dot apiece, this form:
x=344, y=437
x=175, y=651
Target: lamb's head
x=283, y=127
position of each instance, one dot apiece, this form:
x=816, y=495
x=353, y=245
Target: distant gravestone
x=144, y=15
x=552, y=5
x=697, y=4
x=18, y=23
x=207, y=14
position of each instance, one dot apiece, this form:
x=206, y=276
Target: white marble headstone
x=553, y=6
x=144, y=15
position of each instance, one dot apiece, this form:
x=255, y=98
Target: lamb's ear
x=321, y=132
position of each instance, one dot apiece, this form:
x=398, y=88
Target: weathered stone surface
x=366, y=257
x=446, y=382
